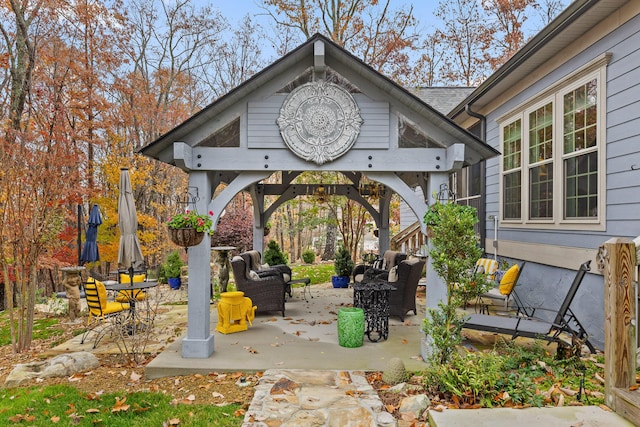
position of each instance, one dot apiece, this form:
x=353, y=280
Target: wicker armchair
x=381, y=266
x=403, y=299
x=267, y=293
x=252, y=260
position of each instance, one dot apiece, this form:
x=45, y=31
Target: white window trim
x=596, y=69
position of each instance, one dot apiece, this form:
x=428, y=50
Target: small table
x=307, y=286
x=131, y=296
x=373, y=298
x=225, y=265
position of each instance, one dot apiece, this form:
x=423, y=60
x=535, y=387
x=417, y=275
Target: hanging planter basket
x=186, y=236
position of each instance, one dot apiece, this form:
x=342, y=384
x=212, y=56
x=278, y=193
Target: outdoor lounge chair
x=381, y=266
x=267, y=293
x=565, y=321
x=253, y=262
x=403, y=299
x=506, y=291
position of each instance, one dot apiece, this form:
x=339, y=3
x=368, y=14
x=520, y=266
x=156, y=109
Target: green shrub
x=171, y=268
x=343, y=264
x=308, y=256
x=273, y=255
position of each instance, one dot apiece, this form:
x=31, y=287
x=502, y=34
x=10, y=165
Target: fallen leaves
x=120, y=405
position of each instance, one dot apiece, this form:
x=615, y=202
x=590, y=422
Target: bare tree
x=370, y=29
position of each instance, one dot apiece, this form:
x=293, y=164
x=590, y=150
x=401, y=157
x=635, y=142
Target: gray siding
x=546, y=286
x=264, y=132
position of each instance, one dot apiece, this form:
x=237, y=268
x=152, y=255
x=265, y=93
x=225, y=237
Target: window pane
x=540, y=133
x=580, y=117
x=581, y=186
x=512, y=140
x=541, y=192
x=512, y=195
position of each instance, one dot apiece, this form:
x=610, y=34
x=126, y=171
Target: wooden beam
x=620, y=326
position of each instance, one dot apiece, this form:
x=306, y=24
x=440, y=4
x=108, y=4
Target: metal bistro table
x=373, y=298
x=131, y=296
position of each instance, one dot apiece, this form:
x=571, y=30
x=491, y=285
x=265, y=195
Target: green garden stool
x=350, y=327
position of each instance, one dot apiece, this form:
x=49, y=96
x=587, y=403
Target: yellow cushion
x=137, y=278
x=489, y=267
x=508, y=281
x=125, y=296
x=114, y=307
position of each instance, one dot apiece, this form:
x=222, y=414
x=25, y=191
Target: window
x=552, y=157
x=511, y=164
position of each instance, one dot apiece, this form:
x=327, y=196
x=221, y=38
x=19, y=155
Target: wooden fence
x=618, y=261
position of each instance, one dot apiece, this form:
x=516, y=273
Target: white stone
x=60, y=366
x=385, y=419
x=415, y=405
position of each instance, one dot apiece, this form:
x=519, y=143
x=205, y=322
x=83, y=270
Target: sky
x=234, y=10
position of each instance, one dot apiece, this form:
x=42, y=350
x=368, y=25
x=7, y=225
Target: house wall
x=553, y=255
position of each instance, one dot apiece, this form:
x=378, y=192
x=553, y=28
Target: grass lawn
x=318, y=273
x=64, y=405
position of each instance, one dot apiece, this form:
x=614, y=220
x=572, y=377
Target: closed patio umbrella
x=129, y=254
x=90, y=251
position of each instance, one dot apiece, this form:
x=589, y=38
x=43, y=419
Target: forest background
x=84, y=84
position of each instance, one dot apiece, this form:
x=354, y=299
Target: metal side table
x=373, y=298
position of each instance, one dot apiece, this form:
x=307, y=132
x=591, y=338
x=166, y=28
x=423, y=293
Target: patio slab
x=306, y=338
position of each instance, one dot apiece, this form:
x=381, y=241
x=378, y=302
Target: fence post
x=619, y=322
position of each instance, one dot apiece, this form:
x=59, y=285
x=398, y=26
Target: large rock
x=60, y=366
x=415, y=405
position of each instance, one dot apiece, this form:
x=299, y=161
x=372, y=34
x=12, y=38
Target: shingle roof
x=443, y=99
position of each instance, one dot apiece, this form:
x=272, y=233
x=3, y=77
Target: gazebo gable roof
x=318, y=54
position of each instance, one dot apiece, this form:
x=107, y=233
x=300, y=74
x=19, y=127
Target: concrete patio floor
x=306, y=338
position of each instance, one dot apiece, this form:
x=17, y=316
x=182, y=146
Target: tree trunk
x=330, y=243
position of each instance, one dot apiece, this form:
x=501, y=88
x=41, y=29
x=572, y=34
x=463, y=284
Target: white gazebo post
x=199, y=342
x=436, y=288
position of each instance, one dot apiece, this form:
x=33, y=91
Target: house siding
x=263, y=131
x=543, y=285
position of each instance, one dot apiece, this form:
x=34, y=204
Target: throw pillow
x=508, y=281
x=254, y=275
x=393, y=274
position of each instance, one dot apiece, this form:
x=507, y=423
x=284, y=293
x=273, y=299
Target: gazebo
x=318, y=108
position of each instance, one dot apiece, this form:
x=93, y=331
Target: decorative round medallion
x=319, y=121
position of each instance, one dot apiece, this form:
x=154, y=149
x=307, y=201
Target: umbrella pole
x=79, y=234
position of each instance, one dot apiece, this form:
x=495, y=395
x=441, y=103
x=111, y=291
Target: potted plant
x=432, y=218
x=343, y=266
x=171, y=269
x=188, y=228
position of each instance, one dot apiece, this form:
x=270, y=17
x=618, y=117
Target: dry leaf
x=217, y=395
x=568, y=391
x=239, y=413
x=633, y=387
x=120, y=405
x=76, y=377
x=404, y=341
x=135, y=377
x=605, y=407
x=560, y=400
x=92, y=411
x=390, y=408
x=173, y=422
x=55, y=420
x=578, y=424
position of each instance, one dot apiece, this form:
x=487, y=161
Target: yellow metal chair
x=101, y=311
x=138, y=294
